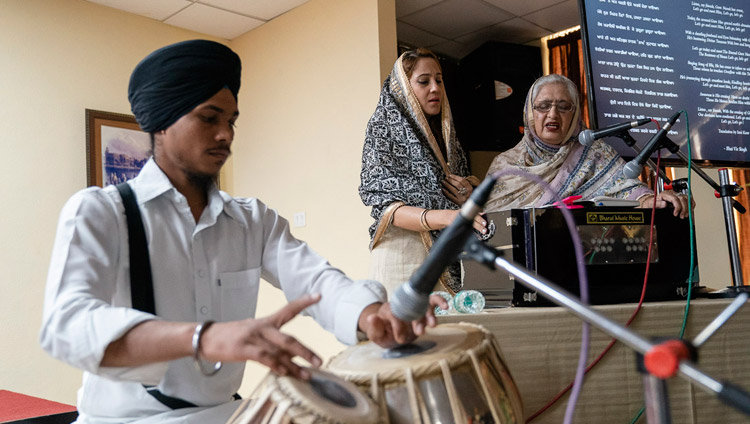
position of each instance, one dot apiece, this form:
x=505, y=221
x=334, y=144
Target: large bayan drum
x=452, y=374
x=324, y=399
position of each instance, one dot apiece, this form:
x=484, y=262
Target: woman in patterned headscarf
x=414, y=172
x=549, y=150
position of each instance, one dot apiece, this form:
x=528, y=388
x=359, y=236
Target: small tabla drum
x=454, y=373
x=324, y=399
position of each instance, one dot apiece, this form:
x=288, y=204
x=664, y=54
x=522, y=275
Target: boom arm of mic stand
x=730, y=394
x=735, y=204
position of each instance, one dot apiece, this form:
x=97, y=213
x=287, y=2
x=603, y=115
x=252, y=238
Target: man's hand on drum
x=260, y=340
x=382, y=327
x=668, y=197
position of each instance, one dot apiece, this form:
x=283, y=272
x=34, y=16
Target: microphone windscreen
x=586, y=137
x=632, y=170
x=408, y=305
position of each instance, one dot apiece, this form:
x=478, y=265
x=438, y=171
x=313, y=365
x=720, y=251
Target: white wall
x=310, y=81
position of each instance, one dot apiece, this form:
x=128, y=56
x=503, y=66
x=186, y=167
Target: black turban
x=173, y=80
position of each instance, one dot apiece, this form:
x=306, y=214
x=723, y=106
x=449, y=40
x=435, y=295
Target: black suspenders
x=141, y=283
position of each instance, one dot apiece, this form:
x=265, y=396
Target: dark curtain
x=566, y=58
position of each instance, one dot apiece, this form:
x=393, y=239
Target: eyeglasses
x=562, y=107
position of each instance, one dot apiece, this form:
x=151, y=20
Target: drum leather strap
x=141, y=283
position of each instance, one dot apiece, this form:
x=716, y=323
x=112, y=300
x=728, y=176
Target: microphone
x=587, y=137
x=411, y=299
x=633, y=168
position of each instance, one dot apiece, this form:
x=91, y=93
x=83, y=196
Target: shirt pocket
x=239, y=294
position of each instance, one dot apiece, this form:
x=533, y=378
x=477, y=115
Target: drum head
x=438, y=343
x=327, y=395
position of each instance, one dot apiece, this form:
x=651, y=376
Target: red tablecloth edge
x=17, y=406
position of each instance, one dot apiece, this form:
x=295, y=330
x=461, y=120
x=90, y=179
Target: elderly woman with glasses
x=550, y=151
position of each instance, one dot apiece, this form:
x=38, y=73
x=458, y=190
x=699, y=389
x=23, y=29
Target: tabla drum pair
x=454, y=373
x=325, y=399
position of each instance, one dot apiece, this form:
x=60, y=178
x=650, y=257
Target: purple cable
x=583, y=283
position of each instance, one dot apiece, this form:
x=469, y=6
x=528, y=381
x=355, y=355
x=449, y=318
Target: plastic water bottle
x=468, y=302
x=448, y=298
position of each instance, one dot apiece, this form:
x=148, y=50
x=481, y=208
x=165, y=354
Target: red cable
x=630, y=320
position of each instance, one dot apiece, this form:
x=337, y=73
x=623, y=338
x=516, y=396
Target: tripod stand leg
x=656, y=400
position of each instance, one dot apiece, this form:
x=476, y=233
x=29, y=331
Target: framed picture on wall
x=116, y=148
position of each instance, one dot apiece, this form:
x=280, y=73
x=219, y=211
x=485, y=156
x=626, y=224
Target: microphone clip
x=667, y=143
x=478, y=251
x=627, y=138
x=679, y=185
x=728, y=190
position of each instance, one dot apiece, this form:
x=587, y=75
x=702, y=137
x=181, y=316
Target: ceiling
x=456, y=27
x=451, y=27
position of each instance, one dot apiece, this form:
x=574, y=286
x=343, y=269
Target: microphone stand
x=662, y=359
x=725, y=191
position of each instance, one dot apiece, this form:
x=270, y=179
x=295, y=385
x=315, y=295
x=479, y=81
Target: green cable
x=692, y=243
x=690, y=218
x=638, y=415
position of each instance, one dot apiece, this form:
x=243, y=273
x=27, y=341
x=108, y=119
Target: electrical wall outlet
x=299, y=219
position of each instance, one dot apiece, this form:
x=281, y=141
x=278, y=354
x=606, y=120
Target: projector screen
x=653, y=58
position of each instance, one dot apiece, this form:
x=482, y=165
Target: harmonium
x=615, y=244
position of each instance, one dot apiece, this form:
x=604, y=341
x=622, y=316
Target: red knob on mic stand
x=663, y=360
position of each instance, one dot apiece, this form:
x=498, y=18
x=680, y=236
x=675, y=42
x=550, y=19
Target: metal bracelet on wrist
x=199, y=329
x=423, y=220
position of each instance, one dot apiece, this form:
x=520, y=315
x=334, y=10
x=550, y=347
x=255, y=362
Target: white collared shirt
x=208, y=270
